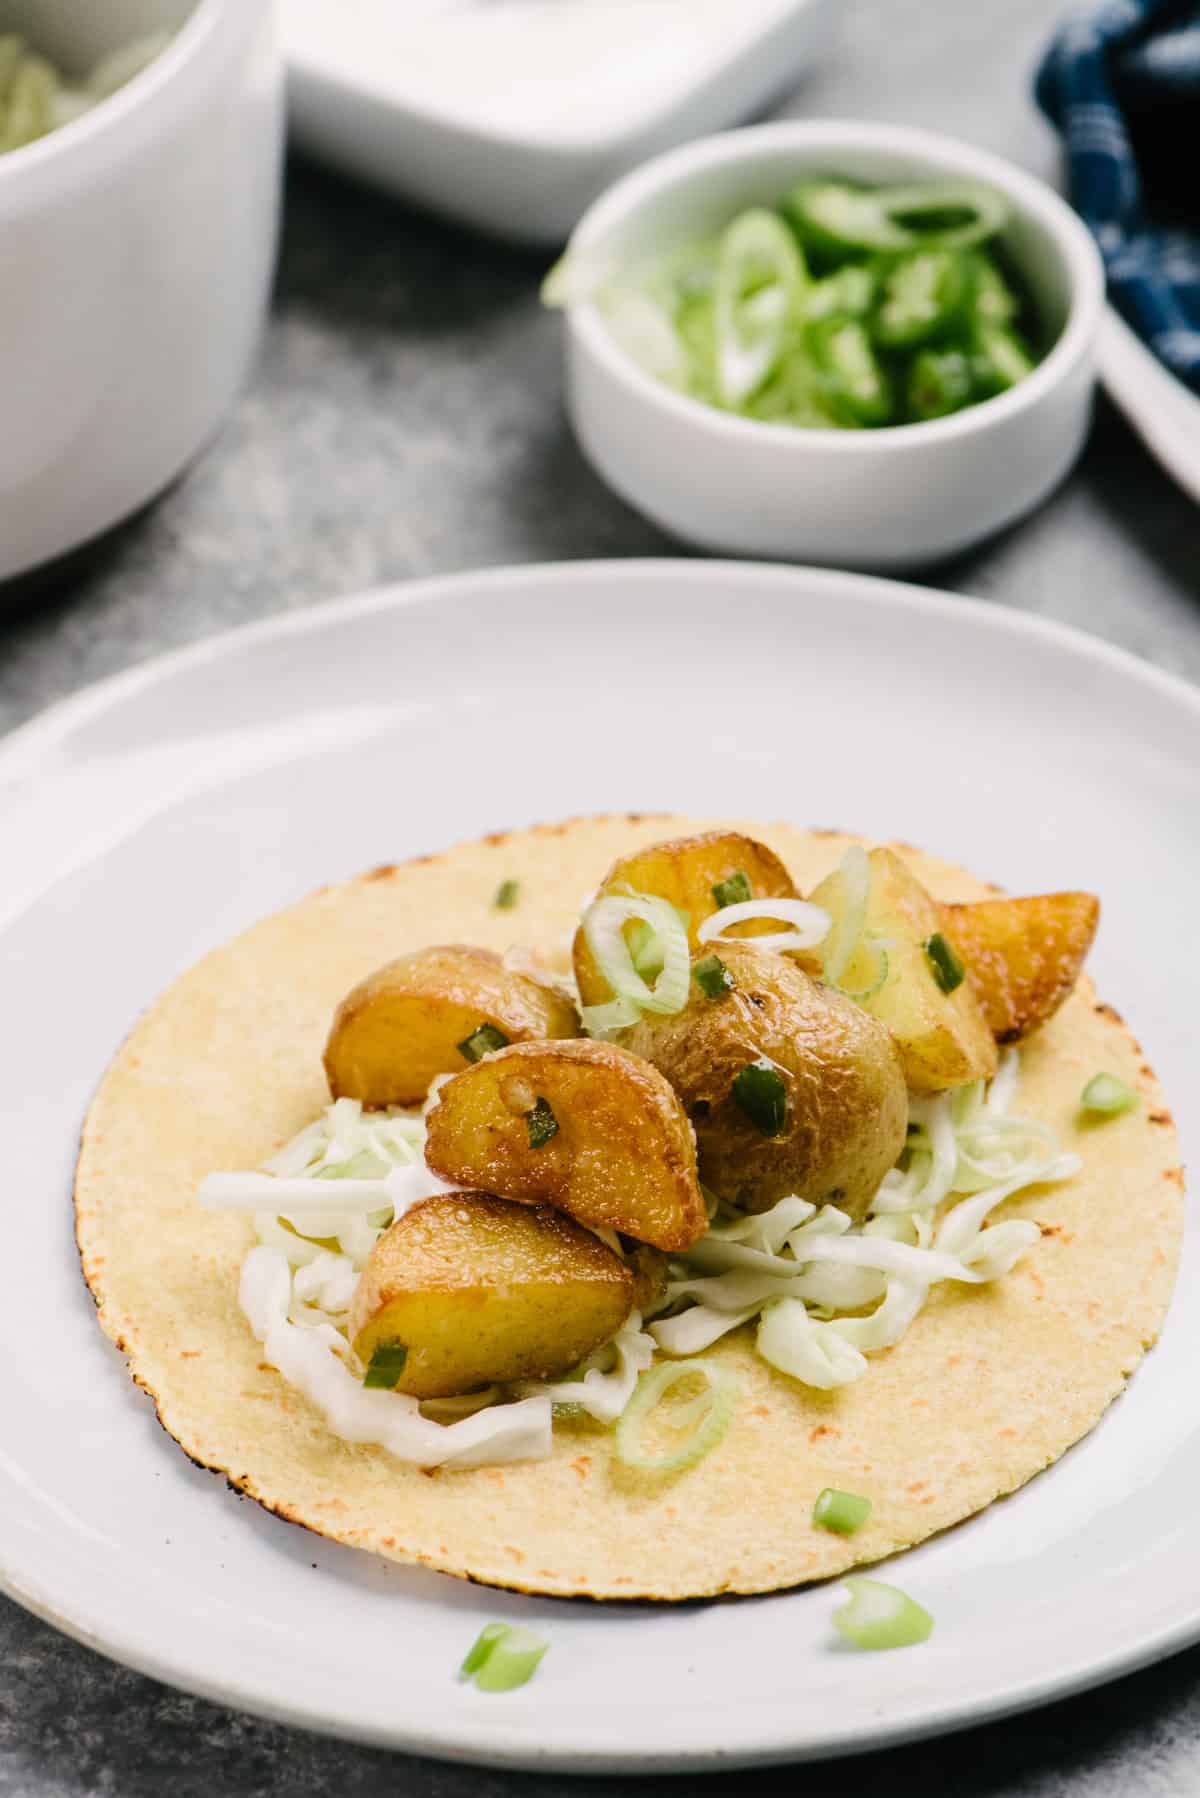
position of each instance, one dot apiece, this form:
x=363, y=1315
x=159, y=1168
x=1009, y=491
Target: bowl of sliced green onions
x=841, y=342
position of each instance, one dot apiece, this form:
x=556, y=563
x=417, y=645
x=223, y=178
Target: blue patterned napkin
x=1123, y=86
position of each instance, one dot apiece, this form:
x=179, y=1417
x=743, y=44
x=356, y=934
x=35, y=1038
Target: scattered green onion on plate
x=503, y=1656
x=881, y=1616
x=1106, y=1096
x=507, y=894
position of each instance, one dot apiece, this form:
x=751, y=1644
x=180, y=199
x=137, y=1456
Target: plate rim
x=52, y=721
x=24, y=747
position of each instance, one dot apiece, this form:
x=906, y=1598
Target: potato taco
x=575, y=1209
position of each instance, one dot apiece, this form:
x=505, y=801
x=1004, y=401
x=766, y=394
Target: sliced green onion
x=841, y=1512
x=604, y=925
x=507, y=894
x=646, y=948
x=714, y=1408
x=541, y=1124
x=946, y=967
x=854, y=874
x=1106, y=1096
x=736, y=890
x=386, y=1365
x=761, y=280
x=712, y=977
x=882, y=966
x=615, y=1014
x=503, y=1657
x=880, y=1616
x=513, y=1661
x=484, y=1041
x=481, y=1648
x=809, y=923
x=760, y=1092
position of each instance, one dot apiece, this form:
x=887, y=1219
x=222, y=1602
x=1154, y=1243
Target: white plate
x=513, y=114
x=1164, y=413
x=154, y=815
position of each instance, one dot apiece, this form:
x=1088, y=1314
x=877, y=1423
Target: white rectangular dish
x=512, y=115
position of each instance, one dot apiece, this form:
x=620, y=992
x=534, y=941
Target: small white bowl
x=888, y=498
x=138, y=248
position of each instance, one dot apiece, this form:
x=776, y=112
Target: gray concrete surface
x=405, y=419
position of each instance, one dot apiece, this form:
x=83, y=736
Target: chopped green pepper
x=925, y=296
x=1001, y=360
x=851, y=376
x=939, y=382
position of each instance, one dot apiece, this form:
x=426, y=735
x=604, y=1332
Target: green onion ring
x=651, y=1388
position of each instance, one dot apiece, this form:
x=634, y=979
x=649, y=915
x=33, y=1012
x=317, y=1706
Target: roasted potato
x=410, y=1020
x=943, y=1037
x=835, y=1072
x=478, y=1291
x=581, y=1125
x=685, y=871
x=1022, y=956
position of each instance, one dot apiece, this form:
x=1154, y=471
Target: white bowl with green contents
x=887, y=497
x=139, y=239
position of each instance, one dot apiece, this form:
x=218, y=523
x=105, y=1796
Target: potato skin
x=943, y=1038
x=1023, y=956
x=482, y=1291
x=684, y=871
x=623, y=1157
x=401, y=1027
x=847, y=1107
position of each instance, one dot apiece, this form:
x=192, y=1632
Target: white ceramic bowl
x=887, y=498
x=138, y=248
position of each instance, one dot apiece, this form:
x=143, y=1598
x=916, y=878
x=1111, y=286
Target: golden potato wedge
x=684, y=872
x=943, y=1037
x=479, y=1291
x=582, y=1125
x=408, y=1022
x=1023, y=956
x=843, y=1108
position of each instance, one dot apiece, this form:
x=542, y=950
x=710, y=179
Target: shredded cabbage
x=344, y=1179
x=799, y=1270
x=826, y=1293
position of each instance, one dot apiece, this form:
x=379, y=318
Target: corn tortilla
x=990, y=1385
